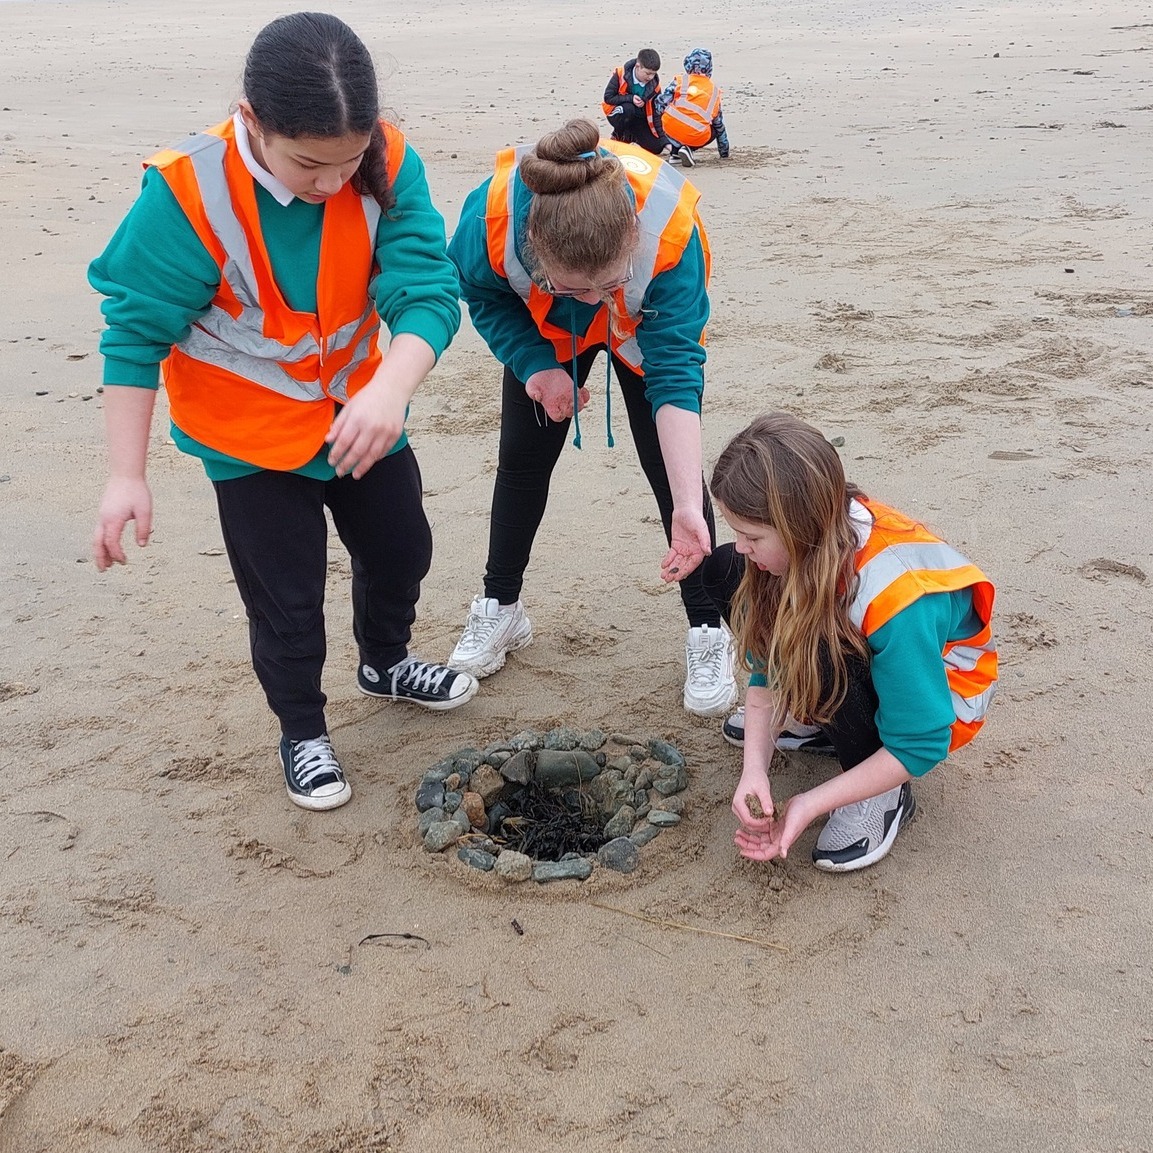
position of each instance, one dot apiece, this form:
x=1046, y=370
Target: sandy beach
x=932, y=241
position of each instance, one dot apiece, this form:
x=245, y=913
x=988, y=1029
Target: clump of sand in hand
x=753, y=804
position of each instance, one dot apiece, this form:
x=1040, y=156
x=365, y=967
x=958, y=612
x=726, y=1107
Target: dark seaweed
x=546, y=824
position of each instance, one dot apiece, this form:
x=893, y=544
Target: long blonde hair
x=783, y=473
x=582, y=217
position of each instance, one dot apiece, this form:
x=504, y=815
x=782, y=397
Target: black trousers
x=530, y=446
x=276, y=536
x=631, y=125
x=853, y=728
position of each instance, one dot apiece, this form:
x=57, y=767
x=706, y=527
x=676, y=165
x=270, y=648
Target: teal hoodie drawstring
x=576, y=420
x=576, y=440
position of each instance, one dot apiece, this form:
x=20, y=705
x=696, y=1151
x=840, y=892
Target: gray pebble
x=660, y=817
x=621, y=823
x=674, y=804
x=563, y=739
x=575, y=870
x=430, y=795
x=476, y=858
x=670, y=779
x=667, y=754
x=620, y=854
x=440, y=835
x=526, y=739
x=451, y=802
x=513, y=866
x=641, y=837
x=592, y=740
x=428, y=818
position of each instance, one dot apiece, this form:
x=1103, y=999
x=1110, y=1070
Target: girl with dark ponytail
x=256, y=269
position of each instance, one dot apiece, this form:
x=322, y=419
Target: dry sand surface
x=932, y=240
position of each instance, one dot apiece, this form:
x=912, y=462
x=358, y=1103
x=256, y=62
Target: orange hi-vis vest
x=689, y=117
x=624, y=90
x=901, y=562
x=666, y=205
x=255, y=379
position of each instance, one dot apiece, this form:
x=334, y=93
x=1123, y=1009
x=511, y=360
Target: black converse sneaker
x=420, y=682
x=312, y=774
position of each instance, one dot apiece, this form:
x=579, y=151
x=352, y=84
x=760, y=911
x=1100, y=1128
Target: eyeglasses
x=547, y=285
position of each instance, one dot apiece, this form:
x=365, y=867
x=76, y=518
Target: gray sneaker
x=861, y=834
x=491, y=632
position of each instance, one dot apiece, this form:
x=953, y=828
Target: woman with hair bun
x=574, y=246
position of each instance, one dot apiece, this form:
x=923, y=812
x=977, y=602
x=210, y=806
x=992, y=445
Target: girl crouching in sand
x=854, y=618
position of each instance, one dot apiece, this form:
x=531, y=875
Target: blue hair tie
x=587, y=156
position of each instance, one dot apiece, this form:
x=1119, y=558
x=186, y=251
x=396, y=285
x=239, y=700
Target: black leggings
x=853, y=728
x=530, y=446
x=276, y=536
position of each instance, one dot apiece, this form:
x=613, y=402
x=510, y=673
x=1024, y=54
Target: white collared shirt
x=262, y=176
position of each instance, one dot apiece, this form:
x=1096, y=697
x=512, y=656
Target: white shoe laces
x=313, y=758
x=706, y=665
x=420, y=675
x=477, y=630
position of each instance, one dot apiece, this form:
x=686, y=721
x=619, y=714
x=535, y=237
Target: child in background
x=255, y=269
x=629, y=102
x=690, y=109
x=853, y=617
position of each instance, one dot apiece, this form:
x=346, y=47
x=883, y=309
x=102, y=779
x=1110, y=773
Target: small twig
x=691, y=928
x=401, y=936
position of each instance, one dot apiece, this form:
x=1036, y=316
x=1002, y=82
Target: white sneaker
x=862, y=833
x=491, y=632
x=710, y=686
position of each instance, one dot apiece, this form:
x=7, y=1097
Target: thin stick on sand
x=691, y=928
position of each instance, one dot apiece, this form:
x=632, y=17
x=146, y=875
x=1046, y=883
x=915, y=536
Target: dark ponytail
x=309, y=74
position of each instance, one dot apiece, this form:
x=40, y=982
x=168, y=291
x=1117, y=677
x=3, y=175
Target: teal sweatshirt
x=158, y=279
x=915, y=706
x=676, y=309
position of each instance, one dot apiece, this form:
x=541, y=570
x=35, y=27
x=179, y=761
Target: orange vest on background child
x=666, y=205
x=255, y=379
x=901, y=562
x=624, y=90
x=688, y=118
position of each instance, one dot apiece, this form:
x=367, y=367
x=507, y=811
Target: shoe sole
x=320, y=804
x=804, y=745
x=737, y=743
x=882, y=850
x=432, y=706
x=480, y=670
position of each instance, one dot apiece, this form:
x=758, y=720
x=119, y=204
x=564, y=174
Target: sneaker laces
x=422, y=676
x=313, y=758
x=478, y=629
x=706, y=664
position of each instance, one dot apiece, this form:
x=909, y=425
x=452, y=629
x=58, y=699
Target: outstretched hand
x=124, y=500
x=689, y=546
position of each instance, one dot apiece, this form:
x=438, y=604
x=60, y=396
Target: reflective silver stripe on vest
x=894, y=562
x=240, y=345
x=338, y=387
x=964, y=657
x=698, y=118
x=652, y=220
